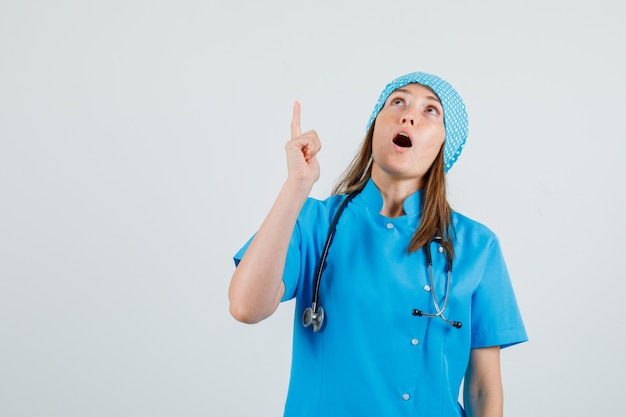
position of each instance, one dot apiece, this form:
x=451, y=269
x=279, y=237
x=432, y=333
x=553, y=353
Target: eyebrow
x=432, y=97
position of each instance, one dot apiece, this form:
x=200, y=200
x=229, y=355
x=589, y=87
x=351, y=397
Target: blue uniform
x=373, y=357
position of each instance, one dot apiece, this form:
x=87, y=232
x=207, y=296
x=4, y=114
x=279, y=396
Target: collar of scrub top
x=373, y=200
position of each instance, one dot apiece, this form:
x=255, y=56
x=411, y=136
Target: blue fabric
x=373, y=357
x=454, y=113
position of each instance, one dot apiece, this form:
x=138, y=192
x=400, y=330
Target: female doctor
x=412, y=299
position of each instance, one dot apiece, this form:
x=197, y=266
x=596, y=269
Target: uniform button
x=440, y=249
x=426, y=287
x=405, y=397
x=415, y=342
x=389, y=225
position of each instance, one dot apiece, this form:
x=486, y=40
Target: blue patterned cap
x=454, y=113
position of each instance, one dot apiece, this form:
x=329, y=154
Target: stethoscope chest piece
x=314, y=318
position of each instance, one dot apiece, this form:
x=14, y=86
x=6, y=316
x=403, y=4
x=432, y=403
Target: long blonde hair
x=436, y=212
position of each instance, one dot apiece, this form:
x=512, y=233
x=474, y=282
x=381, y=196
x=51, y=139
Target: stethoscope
x=314, y=315
x=429, y=265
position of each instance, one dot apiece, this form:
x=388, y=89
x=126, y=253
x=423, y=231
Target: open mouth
x=402, y=140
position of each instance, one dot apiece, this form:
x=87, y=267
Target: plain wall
x=141, y=144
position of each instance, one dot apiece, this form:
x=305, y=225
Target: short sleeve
x=496, y=319
x=292, y=263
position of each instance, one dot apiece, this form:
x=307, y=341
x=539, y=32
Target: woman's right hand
x=301, y=150
x=256, y=288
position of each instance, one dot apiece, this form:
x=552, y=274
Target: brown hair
x=436, y=212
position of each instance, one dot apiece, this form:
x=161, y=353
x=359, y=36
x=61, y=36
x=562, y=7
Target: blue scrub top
x=373, y=357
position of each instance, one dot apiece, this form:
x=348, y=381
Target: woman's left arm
x=482, y=393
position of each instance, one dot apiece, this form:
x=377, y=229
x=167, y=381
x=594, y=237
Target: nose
x=409, y=118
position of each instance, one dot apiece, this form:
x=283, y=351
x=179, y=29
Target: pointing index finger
x=295, y=121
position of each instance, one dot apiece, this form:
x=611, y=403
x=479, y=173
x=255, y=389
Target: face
x=408, y=134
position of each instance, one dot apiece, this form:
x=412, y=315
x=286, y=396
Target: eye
x=433, y=110
x=397, y=101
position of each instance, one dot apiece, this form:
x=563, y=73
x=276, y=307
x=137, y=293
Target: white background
x=141, y=144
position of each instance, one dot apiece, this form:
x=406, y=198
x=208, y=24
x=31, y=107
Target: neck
x=394, y=192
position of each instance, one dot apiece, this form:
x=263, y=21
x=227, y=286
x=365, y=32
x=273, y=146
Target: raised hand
x=301, y=150
x=257, y=286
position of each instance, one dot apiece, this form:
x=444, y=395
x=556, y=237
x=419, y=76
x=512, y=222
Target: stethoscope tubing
x=331, y=234
x=429, y=266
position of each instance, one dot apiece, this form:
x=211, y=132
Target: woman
x=385, y=334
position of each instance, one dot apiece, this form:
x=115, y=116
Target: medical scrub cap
x=454, y=113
